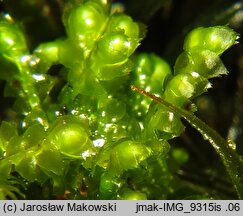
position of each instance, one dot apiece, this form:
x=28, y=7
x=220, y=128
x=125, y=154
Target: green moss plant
x=83, y=133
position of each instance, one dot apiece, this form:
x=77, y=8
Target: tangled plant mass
x=97, y=139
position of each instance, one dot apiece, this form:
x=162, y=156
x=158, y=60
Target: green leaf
x=50, y=159
x=128, y=194
x=109, y=186
x=151, y=72
x=70, y=137
x=232, y=161
x=216, y=39
x=9, y=191
x=200, y=62
x=28, y=168
x=8, y=69
x=34, y=135
x=15, y=146
x=123, y=23
x=112, y=109
x=171, y=127
x=85, y=23
x=5, y=168
x=128, y=155
x=114, y=47
x=8, y=130
x=12, y=41
x=88, y=85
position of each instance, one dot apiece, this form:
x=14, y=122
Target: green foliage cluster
x=199, y=62
x=96, y=139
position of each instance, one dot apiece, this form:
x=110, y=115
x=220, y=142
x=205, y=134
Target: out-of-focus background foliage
x=167, y=23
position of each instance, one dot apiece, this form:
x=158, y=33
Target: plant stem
x=232, y=161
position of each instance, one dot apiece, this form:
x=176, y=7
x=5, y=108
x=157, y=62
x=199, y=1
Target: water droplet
x=39, y=77
x=25, y=58
x=231, y=144
x=98, y=142
x=87, y=154
x=171, y=116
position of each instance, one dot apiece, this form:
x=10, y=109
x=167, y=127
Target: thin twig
x=232, y=161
